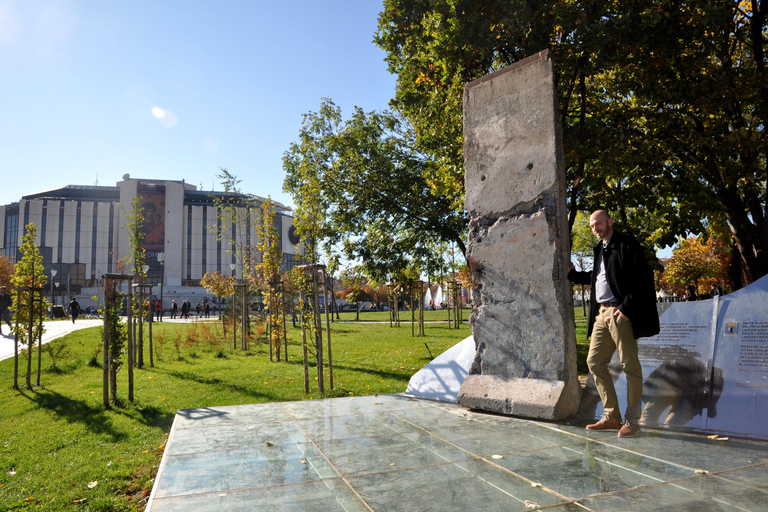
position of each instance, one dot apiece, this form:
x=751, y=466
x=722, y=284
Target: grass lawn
x=62, y=449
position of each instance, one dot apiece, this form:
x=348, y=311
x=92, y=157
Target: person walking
x=6, y=301
x=622, y=308
x=159, y=309
x=174, y=309
x=73, y=309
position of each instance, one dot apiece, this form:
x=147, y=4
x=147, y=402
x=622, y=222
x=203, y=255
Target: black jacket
x=631, y=281
x=5, y=301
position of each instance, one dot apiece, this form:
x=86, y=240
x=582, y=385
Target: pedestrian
x=207, y=310
x=691, y=294
x=73, y=309
x=715, y=290
x=622, y=309
x=159, y=309
x=198, y=309
x=6, y=301
x=174, y=309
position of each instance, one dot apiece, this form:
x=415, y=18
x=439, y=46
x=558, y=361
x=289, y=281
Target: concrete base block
x=530, y=398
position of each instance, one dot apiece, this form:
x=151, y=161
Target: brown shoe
x=605, y=424
x=629, y=430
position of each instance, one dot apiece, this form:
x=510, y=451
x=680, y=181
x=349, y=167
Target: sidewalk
x=58, y=328
x=53, y=329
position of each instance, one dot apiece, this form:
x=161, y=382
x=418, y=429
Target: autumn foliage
x=697, y=261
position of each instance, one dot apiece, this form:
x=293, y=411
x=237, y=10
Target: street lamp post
x=234, y=301
x=53, y=274
x=161, y=259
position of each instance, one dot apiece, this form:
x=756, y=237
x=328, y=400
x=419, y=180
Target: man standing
x=622, y=308
x=5, y=308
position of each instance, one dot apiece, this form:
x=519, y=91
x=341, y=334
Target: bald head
x=602, y=225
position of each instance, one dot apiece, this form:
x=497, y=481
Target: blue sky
x=92, y=90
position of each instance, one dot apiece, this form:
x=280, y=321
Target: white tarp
x=444, y=375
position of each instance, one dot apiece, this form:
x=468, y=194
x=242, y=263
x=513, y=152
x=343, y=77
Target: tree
x=696, y=261
x=705, y=112
x=663, y=103
x=117, y=334
x=268, y=273
x=361, y=185
x=29, y=306
x=219, y=285
x=236, y=219
x=134, y=223
x=353, y=282
x=582, y=242
x=7, y=270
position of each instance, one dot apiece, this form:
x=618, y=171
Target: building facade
x=81, y=233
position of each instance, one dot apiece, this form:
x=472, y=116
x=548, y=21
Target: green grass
x=405, y=316
x=59, y=438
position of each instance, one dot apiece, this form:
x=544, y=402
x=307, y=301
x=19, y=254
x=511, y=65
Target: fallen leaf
x=80, y=500
x=268, y=443
x=11, y=472
x=93, y=484
x=535, y=484
x=391, y=463
x=702, y=472
x=303, y=461
x=251, y=428
x=222, y=495
x=531, y=504
x=30, y=498
x=497, y=456
x=161, y=447
x=145, y=451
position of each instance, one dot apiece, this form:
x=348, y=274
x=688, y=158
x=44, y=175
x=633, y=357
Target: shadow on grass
x=153, y=416
x=222, y=384
x=70, y=410
x=384, y=374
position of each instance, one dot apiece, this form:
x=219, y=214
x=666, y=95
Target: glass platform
x=391, y=452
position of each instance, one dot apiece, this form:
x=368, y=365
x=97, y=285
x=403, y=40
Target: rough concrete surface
x=518, y=248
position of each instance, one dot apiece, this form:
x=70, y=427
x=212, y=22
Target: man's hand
x=622, y=315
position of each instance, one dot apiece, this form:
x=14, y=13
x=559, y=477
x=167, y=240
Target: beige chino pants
x=611, y=333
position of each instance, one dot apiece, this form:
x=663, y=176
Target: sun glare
x=167, y=118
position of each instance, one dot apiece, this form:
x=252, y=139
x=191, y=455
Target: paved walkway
x=392, y=453
x=53, y=329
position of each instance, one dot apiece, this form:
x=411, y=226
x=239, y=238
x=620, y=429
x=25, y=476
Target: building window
x=289, y=261
x=11, y=234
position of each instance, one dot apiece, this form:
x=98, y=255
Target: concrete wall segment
x=510, y=141
x=518, y=246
